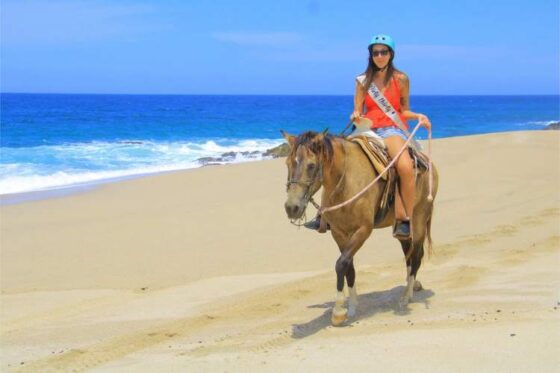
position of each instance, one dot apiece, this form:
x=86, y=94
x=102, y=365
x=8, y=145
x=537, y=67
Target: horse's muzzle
x=294, y=210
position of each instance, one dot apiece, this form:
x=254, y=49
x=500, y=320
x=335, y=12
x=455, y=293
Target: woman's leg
x=405, y=170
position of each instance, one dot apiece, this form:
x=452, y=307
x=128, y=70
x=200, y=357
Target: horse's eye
x=310, y=167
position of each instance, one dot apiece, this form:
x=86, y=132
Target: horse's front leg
x=345, y=268
x=352, y=294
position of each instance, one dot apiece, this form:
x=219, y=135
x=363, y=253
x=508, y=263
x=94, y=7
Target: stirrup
x=313, y=224
x=402, y=230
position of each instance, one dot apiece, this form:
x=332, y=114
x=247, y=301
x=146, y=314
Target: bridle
x=308, y=197
x=307, y=184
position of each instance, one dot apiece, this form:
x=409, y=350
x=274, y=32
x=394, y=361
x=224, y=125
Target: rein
x=391, y=164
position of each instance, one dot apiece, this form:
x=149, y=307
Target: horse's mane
x=319, y=144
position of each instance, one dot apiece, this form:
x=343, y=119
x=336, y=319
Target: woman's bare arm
x=404, y=87
x=359, y=97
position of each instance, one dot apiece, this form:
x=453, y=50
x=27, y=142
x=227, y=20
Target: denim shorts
x=385, y=132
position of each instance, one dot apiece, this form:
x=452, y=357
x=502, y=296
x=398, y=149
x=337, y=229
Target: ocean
x=51, y=141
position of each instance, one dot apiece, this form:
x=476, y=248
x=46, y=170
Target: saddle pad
x=377, y=155
x=375, y=152
x=366, y=132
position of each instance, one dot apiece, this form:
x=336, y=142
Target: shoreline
x=71, y=189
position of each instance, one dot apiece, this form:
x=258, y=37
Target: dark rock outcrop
x=553, y=126
x=276, y=152
x=226, y=157
x=281, y=150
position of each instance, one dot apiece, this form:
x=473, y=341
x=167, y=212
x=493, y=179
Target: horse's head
x=308, y=153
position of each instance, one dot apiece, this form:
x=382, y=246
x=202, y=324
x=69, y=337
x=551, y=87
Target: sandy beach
x=200, y=270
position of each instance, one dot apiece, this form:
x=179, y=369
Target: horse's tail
x=431, y=216
x=429, y=233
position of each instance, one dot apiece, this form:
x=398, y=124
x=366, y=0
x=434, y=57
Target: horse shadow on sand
x=369, y=304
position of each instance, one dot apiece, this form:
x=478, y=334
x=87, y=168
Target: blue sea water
x=56, y=140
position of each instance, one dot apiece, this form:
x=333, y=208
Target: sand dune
x=201, y=271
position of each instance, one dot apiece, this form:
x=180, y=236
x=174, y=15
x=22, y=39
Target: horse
x=340, y=166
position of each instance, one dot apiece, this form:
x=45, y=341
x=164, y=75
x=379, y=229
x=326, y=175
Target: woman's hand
x=424, y=121
x=355, y=115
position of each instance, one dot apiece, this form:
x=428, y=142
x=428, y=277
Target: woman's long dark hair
x=372, y=68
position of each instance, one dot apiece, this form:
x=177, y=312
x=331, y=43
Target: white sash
x=387, y=108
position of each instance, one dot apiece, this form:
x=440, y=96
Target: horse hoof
x=339, y=317
x=338, y=320
x=351, y=311
x=403, y=302
x=417, y=286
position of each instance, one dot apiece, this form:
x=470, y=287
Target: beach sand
x=200, y=270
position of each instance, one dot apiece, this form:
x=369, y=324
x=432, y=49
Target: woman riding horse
x=343, y=171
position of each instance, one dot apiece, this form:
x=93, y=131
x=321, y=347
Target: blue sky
x=276, y=47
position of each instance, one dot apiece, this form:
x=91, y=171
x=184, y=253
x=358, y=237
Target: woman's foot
x=315, y=224
x=402, y=229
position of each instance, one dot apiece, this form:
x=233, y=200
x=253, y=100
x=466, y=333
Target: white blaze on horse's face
x=303, y=181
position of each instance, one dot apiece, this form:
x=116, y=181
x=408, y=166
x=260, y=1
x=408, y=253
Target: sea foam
x=45, y=167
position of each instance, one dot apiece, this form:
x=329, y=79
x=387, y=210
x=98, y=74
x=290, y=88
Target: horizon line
x=270, y=94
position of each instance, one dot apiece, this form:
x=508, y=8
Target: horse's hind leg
x=406, y=296
x=417, y=286
x=416, y=262
x=413, y=251
x=405, y=245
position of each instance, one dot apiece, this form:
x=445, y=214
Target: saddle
x=377, y=154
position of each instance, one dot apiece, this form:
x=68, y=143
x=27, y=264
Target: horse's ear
x=323, y=134
x=290, y=138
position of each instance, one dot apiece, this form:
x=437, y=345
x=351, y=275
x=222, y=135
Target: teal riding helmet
x=383, y=39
